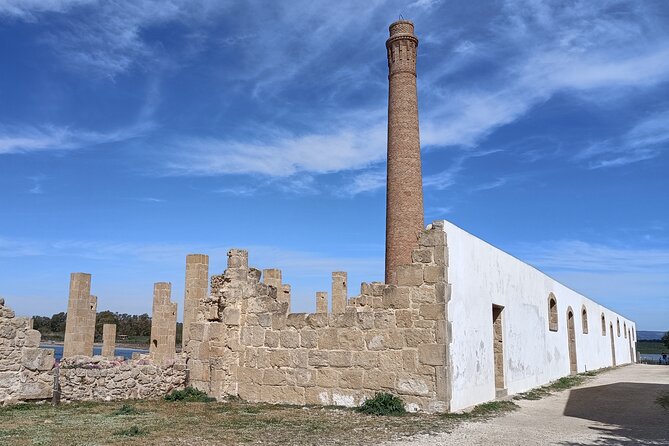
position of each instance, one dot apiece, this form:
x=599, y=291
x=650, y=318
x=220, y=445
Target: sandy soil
x=615, y=408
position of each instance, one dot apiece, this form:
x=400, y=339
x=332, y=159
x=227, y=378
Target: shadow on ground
x=629, y=409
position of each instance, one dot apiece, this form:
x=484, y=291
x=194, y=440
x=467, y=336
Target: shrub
x=133, y=431
x=383, y=404
x=127, y=409
x=189, y=394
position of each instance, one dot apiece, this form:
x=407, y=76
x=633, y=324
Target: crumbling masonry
x=390, y=337
x=163, y=324
x=81, y=313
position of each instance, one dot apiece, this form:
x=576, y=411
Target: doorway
x=498, y=349
x=613, y=346
x=571, y=335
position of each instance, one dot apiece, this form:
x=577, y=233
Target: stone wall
x=25, y=369
x=390, y=338
x=103, y=379
x=196, y=289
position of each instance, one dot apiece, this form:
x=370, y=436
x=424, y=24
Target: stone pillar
x=321, y=302
x=108, y=340
x=339, y=292
x=81, y=313
x=197, y=287
x=163, y=324
x=404, y=188
x=273, y=278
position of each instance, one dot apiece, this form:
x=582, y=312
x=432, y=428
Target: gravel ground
x=615, y=408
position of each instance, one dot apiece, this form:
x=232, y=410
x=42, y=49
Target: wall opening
x=584, y=319
x=498, y=347
x=155, y=343
x=629, y=339
x=571, y=336
x=552, y=313
x=625, y=329
x=603, y=325
x=613, y=346
x=618, y=327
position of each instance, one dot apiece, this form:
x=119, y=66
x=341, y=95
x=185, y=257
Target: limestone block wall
x=102, y=379
x=502, y=341
x=81, y=313
x=389, y=338
x=163, y=324
x=25, y=369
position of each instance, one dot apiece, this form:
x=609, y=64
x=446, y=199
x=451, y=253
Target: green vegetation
x=383, y=404
x=133, y=431
x=189, y=394
x=665, y=339
x=135, y=329
x=564, y=383
x=663, y=400
x=126, y=409
x=484, y=411
x=651, y=347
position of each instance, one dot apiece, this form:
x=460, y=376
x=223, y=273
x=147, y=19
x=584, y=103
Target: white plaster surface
x=482, y=276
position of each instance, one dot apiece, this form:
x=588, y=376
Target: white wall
x=482, y=275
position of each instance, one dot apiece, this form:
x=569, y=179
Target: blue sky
x=135, y=132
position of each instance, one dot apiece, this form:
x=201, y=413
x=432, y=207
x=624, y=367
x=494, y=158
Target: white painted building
x=533, y=348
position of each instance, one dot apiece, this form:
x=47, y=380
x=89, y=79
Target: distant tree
x=665, y=339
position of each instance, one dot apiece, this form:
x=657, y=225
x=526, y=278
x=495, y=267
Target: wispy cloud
x=24, y=139
x=646, y=140
x=369, y=181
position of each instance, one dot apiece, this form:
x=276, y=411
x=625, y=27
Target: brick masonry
x=404, y=188
x=389, y=338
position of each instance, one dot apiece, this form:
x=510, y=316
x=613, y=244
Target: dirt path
x=614, y=408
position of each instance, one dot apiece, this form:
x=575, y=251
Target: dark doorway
x=613, y=346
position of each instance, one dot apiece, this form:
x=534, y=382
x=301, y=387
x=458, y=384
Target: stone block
x=351, y=339
x=296, y=320
x=433, y=312
x=434, y=274
x=274, y=377
x=409, y=360
x=327, y=377
x=418, y=336
x=365, y=320
x=377, y=380
x=33, y=338
x=351, y=379
x=318, y=396
x=328, y=339
x=433, y=237
x=279, y=358
x=231, y=316
x=422, y=255
x=396, y=297
x=414, y=385
x=308, y=338
x=272, y=338
x=340, y=358
x=432, y=354
x=318, y=358
x=365, y=360
x=317, y=320
x=290, y=339
x=384, y=320
x=410, y=275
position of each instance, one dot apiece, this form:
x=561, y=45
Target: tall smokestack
x=404, y=193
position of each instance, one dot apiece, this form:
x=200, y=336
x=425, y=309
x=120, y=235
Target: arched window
x=618, y=326
x=625, y=329
x=552, y=313
x=584, y=319
x=603, y=325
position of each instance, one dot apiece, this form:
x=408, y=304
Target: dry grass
x=159, y=422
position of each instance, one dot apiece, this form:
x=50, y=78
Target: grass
x=564, y=383
x=484, y=411
x=160, y=422
x=189, y=394
x=383, y=404
x=663, y=400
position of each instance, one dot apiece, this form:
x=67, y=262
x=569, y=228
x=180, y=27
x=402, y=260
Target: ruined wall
x=25, y=369
x=163, y=324
x=483, y=276
x=81, y=313
x=101, y=379
x=390, y=338
x=108, y=340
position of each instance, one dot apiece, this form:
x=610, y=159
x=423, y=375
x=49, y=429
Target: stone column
x=339, y=292
x=404, y=189
x=273, y=278
x=81, y=313
x=196, y=289
x=321, y=302
x=163, y=324
x=108, y=340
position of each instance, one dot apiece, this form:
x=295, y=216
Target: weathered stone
x=432, y=354
x=410, y=275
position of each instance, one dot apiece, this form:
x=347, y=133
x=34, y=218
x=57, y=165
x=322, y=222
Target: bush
x=383, y=404
x=189, y=394
x=133, y=431
x=127, y=409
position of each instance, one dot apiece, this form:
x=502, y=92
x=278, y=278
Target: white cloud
x=24, y=139
x=369, y=181
x=646, y=140
x=29, y=9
